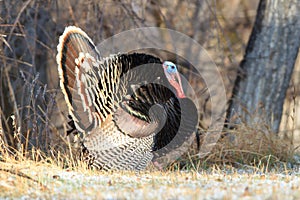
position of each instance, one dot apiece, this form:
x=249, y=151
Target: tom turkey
x=128, y=108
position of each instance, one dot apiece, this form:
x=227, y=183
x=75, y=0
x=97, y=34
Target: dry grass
x=244, y=146
x=30, y=34
x=47, y=180
x=246, y=167
x=252, y=145
x=38, y=161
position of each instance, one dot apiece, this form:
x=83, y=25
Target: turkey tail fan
x=74, y=45
x=130, y=108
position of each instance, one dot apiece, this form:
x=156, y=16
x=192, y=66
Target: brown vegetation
x=34, y=126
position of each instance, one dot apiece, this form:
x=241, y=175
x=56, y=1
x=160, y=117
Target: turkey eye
x=172, y=67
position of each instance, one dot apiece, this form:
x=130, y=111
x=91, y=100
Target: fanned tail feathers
x=126, y=116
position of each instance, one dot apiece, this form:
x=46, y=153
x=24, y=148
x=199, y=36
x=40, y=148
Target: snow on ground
x=61, y=184
x=56, y=183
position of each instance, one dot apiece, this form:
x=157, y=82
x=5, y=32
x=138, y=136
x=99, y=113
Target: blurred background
x=30, y=30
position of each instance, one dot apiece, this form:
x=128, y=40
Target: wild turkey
x=126, y=106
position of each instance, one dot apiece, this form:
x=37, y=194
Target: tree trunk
x=266, y=69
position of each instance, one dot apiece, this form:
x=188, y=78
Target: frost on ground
x=55, y=183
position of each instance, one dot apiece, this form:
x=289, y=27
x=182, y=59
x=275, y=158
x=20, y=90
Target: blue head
x=173, y=77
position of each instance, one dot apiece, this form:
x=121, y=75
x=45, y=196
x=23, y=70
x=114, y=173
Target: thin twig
x=17, y=18
x=21, y=174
